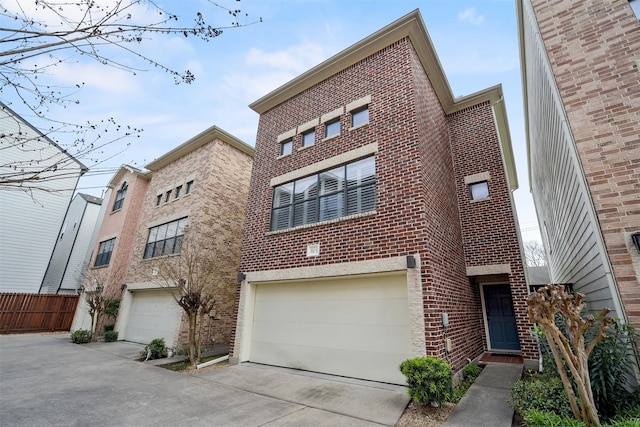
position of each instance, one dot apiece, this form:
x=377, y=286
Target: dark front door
x=501, y=318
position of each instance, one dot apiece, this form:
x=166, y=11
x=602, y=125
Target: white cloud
x=297, y=58
x=471, y=16
x=97, y=76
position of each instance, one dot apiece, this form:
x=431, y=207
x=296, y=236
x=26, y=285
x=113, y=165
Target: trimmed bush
x=430, y=379
x=543, y=393
x=157, y=347
x=110, y=336
x=81, y=336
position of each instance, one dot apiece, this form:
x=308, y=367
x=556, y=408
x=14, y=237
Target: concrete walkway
x=485, y=403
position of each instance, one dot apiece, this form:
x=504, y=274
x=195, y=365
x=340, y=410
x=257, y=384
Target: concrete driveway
x=47, y=381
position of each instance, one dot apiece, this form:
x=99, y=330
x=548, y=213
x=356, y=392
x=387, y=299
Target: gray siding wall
x=81, y=253
x=30, y=222
x=570, y=230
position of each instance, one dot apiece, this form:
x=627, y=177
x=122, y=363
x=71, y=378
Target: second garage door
x=357, y=327
x=154, y=314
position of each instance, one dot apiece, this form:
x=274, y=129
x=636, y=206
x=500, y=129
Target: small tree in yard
x=194, y=275
x=570, y=350
x=99, y=294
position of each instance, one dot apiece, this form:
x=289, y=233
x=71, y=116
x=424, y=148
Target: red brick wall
x=488, y=225
x=591, y=48
x=417, y=204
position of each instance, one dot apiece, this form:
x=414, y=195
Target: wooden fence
x=22, y=313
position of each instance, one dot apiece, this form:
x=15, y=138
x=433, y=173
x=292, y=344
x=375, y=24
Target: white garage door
x=154, y=314
x=350, y=327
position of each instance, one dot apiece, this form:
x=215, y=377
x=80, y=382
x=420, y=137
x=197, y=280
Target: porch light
x=80, y=290
x=99, y=288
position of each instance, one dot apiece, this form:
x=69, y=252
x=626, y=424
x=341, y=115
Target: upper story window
x=309, y=138
x=332, y=128
x=189, y=187
x=345, y=190
x=178, y=191
x=360, y=116
x=104, y=252
x=167, y=196
x=479, y=190
x=286, y=147
x=120, y=197
x=165, y=239
x=158, y=199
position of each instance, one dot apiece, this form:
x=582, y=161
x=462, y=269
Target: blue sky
x=476, y=41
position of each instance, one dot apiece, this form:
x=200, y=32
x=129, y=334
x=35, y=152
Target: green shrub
x=542, y=393
x=157, y=347
x=108, y=328
x=112, y=305
x=471, y=372
x=537, y=418
x=81, y=336
x=609, y=369
x=429, y=379
x=110, y=336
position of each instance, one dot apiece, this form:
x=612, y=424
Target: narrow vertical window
x=286, y=147
x=167, y=196
x=189, y=187
x=360, y=116
x=120, y=197
x=158, y=199
x=178, y=191
x=309, y=138
x=104, y=252
x=332, y=129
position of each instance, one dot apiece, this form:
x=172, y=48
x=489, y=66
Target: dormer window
x=117, y=205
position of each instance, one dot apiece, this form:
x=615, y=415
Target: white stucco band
x=484, y=270
x=378, y=266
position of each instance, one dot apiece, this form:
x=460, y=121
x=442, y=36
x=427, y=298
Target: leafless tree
x=534, y=253
x=40, y=35
x=195, y=276
x=570, y=349
x=100, y=286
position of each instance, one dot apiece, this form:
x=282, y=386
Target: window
x=286, y=147
x=332, y=129
x=309, y=138
x=167, y=196
x=178, y=190
x=165, y=239
x=120, y=197
x=189, y=187
x=346, y=190
x=158, y=199
x=104, y=252
x=479, y=190
x=360, y=116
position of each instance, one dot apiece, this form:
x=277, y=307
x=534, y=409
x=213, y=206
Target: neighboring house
x=538, y=277
x=381, y=223
x=37, y=181
x=72, y=252
x=203, y=182
x=110, y=254
x=582, y=103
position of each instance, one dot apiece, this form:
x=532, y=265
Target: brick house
x=381, y=224
x=582, y=104
x=201, y=183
